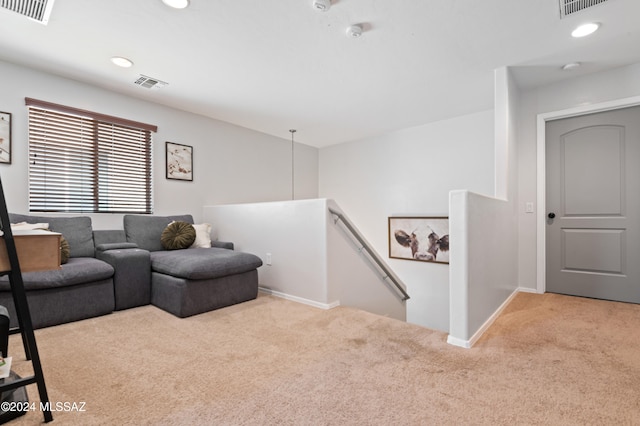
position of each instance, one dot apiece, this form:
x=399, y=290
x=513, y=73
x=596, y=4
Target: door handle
x=551, y=215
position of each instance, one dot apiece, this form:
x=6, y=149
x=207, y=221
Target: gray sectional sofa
x=118, y=269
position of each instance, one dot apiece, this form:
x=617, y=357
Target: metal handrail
x=376, y=258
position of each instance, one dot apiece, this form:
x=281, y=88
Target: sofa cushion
x=145, y=231
x=178, y=235
x=203, y=263
x=108, y=236
x=79, y=270
x=76, y=230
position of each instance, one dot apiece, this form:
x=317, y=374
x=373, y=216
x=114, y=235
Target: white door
x=593, y=205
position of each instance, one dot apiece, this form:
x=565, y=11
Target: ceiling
x=276, y=65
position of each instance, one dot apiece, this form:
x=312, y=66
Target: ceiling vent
x=569, y=7
x=150, y=82
x=37, y=10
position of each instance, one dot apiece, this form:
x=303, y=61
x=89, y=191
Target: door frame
x=542, y=118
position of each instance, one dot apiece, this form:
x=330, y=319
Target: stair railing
x=388, y=274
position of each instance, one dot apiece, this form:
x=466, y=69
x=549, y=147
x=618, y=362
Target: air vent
x=37, y=10
x=149, y=82
x=569, y=7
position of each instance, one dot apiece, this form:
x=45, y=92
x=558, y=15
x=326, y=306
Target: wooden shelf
x=27, y=247
x=37, y=251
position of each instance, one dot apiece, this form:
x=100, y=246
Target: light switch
x=528, y=207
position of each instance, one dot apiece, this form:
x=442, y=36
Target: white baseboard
x=469, y=343
x=458, y=342
x=299, y=299
x=527, y=290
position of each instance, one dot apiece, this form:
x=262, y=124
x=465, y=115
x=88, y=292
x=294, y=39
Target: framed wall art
x=424, y=239
x=5, y=137
x=179, y=161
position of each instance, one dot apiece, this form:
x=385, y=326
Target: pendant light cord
x=292, y=166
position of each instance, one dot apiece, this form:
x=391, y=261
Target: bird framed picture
x=420, y=238
x=179, y=161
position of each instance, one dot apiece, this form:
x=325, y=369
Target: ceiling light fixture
x=321, y=5
x=571, y=66
x=354, y=31
x=176, y=4
x=122, y=62
x=585, y=29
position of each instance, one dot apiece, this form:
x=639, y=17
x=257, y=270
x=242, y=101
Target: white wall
x=312, y=260
x=582, y=91
x=410, y=172
x=484, y=231
x=231, y=164
x=483, y=273
x=294, y=233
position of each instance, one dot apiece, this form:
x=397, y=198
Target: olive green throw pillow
x=65, y=251
x=178, y=235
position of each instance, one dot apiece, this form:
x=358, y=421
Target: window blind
x=87, y=163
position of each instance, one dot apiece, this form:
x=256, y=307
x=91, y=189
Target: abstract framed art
x=5, y=137
x=179, y=161
x=421, y=238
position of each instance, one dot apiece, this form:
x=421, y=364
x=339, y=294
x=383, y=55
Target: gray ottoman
x=192, y=281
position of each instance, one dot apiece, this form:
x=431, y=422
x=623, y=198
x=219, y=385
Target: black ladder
x=25, y=326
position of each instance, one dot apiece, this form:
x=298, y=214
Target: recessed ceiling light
x=122, y=62
x=176, y=4
x=585, y=29
x=571, y=66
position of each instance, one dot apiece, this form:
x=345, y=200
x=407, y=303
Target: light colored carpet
x=548, y=359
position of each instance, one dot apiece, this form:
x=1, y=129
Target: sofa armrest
x=115, y=246
x=222, y=244
x=132, y=277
